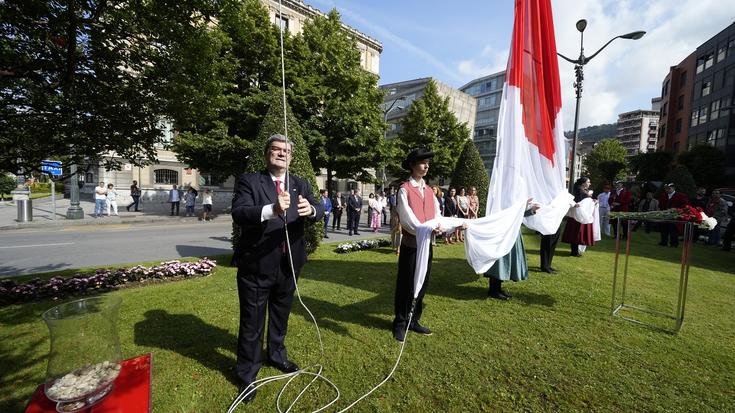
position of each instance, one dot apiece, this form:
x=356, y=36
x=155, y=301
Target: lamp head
x=634, y=35
x=581, y=25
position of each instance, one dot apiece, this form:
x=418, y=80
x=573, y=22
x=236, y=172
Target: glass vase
x=85, y=351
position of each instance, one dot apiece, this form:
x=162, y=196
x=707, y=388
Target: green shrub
x=470, y=171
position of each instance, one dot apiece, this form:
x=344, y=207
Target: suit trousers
x=257, y=294
x=548, y=248
x=336, y=219
x=405, y=288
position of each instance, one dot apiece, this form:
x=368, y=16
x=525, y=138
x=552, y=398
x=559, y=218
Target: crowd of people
x=106, y=197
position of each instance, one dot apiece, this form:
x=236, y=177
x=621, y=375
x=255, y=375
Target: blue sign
x=51, y=167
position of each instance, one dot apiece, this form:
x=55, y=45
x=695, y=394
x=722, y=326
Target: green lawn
x=552, y=348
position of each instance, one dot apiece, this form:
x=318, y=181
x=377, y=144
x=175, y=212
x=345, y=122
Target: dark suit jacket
x=259, y=250
x=334, y=203
x=354, y=205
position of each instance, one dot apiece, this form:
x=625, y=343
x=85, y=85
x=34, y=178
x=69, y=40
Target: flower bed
x=100, y=280
x=686, y=214
x=361, y=245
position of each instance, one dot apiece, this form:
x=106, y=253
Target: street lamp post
x=385, y=133
x=579, y=77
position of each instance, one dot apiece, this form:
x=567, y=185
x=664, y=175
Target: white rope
x=307, y=370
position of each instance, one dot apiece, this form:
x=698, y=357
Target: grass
x=553, y=348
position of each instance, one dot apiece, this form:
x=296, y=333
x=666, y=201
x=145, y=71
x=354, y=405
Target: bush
x=101, y=280
x=7, y=184
x=683, y=180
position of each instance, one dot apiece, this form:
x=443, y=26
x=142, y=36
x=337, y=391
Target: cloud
x=387, y=36
x=493, y=61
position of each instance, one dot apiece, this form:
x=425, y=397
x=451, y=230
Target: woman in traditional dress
x=512, y=266
x=576, y=233
x=474, y=203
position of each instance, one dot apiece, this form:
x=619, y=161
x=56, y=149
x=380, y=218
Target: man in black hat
x=416, y=204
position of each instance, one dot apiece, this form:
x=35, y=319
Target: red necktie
x=278, y=186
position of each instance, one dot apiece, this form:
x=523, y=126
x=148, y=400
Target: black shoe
x=357, y=233
x=350, y=234
x=497, y=295
x=418, y=328
x=128, y=208
x=503, y=292
x=326, y=236
x=399, y=333
x=548, y=270
x=250, y=395
x=286, y=366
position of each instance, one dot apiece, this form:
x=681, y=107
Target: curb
x=62, y=222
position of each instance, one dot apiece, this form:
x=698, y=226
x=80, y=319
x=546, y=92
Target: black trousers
x=353, y=220
x=669, y=234
x=405, y=288
x=257, y=294
x=727, y=238
x=175, y=205
x=136, y=201
x=336, y=218
x=623, y=226
x=548, y=248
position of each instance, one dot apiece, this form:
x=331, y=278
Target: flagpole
x=579, y=78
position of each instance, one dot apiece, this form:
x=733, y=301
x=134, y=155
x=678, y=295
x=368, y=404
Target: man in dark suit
x=354, y=208
x=327, y=205
x=671, y=199
x=338, y=205
x=619, y=201
x=264, y=205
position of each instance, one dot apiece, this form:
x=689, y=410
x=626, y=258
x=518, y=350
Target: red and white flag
x=531, y=157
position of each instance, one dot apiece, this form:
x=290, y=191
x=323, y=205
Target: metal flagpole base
x=617, y=306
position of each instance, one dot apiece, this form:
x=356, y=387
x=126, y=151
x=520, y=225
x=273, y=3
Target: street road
x=29, y=251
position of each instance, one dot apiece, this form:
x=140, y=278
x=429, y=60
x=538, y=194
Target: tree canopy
x=651, y=166
x=706, y=164
x=605, y=163
x=430, y=124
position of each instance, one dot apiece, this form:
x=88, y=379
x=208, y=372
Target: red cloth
x=422, y=207
x=131, y=391
x=576, y=233
x=623, y=199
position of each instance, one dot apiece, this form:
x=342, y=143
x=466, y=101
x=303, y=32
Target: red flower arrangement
x=690, y=214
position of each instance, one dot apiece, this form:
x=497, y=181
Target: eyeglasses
x=276, y=149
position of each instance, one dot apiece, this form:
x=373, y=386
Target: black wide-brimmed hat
x=416, y=155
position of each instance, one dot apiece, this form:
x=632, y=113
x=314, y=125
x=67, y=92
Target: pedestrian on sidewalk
x=327, y=205
x=111, y=199
x=190, y=198
x=100, y=199
x=206, y=205
x=135, y=194
x=174, y=197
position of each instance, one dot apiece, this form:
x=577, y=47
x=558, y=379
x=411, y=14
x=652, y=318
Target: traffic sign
x=51, y=167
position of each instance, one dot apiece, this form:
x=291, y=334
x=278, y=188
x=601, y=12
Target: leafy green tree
x=651, y=166
x=683, y=180
x=300, y=164
x=77, y=82
x=219, y=79
x=7, y=184
x=605, y=163
x=470, y=171
x=706, y=164
x=335, y=100
x=430, y=124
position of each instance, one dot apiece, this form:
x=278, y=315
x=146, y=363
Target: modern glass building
x=488, y=91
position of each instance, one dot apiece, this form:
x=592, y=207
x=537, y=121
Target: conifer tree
x=470, y=171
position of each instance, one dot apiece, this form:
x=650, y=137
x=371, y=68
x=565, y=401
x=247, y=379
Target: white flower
x=710, y=222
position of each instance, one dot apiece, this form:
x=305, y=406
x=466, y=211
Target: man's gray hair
x=276, y=138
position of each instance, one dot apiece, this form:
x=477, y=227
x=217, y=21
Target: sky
x=457, y=41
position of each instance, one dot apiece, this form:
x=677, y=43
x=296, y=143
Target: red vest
x=423, y=208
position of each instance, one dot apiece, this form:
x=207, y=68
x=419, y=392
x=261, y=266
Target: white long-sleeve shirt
x=409, y=222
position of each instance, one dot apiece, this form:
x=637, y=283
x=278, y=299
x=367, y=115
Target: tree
x=430, y=124
x=470, y=171
x=682, y=178
x=605, y=163
x=76, y=81
x=7, y=185
x=651, y=166
x=706, y=164
x=336, y=101
x=300, y=164
x=218, y=84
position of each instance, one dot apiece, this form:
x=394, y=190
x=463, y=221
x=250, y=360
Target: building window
x=207, y=180
x=706, y=87
x=665, y=89
x=700, y=64
x=166, y=177
x=678, y=126
x=695, y=118
x=709, y=60
x=281, y=22
x=664, y=109
x=721, y=52
x=89, y=177
x=683, y=79
x=714, y=111
x=729, y=76
x=680, y=103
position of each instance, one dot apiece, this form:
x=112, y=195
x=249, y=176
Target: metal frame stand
x=683, y=278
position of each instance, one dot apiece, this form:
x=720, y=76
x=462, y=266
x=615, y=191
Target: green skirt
x=512, y=266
